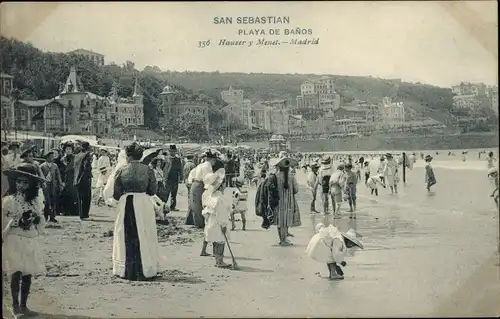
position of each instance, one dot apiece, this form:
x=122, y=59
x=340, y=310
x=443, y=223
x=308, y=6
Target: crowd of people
x=143, y=192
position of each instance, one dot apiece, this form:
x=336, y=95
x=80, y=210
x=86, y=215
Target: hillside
x=431, y=101
x=40, y=75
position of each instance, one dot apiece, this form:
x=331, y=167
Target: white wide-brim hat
x=352, y=236
x=215, y=179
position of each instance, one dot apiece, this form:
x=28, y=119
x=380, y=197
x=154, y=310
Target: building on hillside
x=78, y=111
x=469, y=121
x=468, y=101
x=474, y=89
x=232, y=96
x=373, y=114
x=41, y=115
x=95, y=57
x=310, y=101
x=276, y=104
x=493, y=96
x=324, y=87
x=172, y=106
x=260, y=116
x=392, y=114
x=318, y=94
x=129, y=111
x=7, y=85
x=423, y=124
x=349, y=112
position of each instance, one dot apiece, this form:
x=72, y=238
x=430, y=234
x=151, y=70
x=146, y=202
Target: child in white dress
x=216, y=211
x=329, y=246
x=373, y=182
x=22, y=253
x=240, y=196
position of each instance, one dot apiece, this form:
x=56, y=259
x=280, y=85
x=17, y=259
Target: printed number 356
x=203, y=44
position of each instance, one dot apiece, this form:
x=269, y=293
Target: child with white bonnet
x=329, y=246
x=216, y=211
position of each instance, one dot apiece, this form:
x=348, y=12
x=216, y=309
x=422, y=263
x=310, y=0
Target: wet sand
x=424, y=255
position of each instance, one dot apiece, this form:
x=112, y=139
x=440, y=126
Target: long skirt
x=135, y=241
x=162, y=192
x=195, y=205
x=69, y=200
x=23, y=254
x=287, y=213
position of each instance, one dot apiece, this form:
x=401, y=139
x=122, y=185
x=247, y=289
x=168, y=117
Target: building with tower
x=77, y=111
x=172, y=106
x=129, y=111
x=392, y=114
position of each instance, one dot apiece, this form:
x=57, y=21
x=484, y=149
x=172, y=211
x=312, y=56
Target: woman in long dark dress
x=135, y=242
x=69, y=194
x=287, y=212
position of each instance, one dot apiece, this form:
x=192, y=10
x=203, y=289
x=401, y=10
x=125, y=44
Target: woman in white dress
x=391, y=173
x=22, y=251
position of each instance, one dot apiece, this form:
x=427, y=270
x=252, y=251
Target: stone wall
x=436, y=142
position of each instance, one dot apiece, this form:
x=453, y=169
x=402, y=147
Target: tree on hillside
x=39, y=75
x=192, y=126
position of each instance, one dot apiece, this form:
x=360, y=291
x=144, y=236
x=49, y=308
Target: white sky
x=415, y=41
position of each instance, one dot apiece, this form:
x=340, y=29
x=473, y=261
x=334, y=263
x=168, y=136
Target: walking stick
x=235, y=265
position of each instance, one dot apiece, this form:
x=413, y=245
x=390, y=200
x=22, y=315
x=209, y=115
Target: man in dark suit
x=83, y=179
x=173, y=174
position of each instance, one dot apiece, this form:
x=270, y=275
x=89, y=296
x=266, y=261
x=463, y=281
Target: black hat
x=172, y=147
x=67, y=144
x=48, y=153
x=217, y=165
x=209, y=154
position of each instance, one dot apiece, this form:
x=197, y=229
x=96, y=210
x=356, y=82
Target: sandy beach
x=424, y=255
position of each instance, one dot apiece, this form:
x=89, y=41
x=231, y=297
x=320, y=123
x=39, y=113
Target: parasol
x=149, y=154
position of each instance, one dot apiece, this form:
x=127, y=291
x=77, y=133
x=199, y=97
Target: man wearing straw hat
x=323, y=181
x=312, y=183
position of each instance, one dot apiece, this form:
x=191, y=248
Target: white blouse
x=202, y=170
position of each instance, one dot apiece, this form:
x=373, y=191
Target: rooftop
x=84, y=51
x=37, y=103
